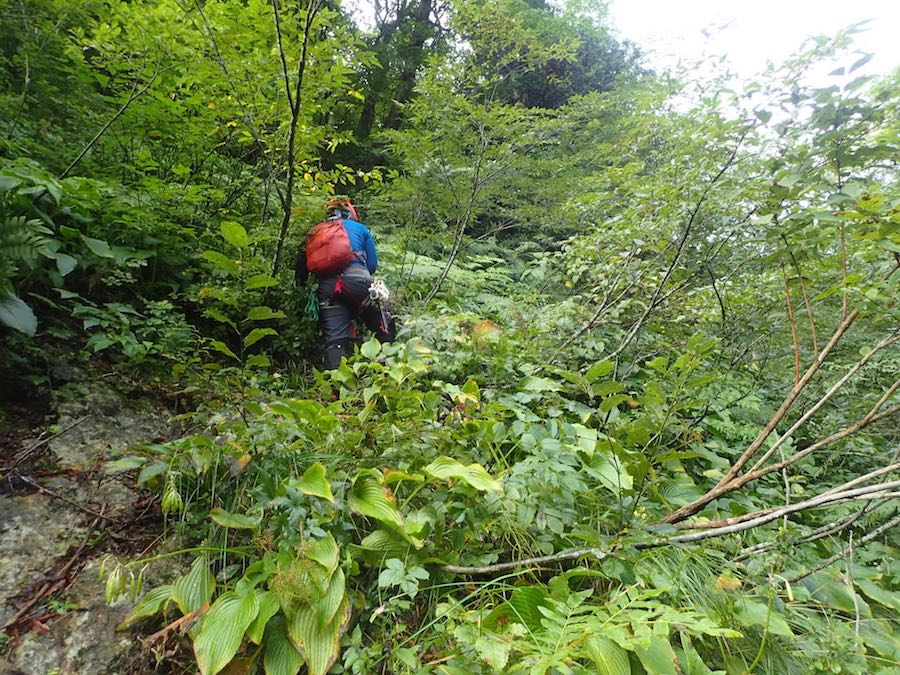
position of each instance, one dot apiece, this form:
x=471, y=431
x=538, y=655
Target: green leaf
x=258, y=361
x=152, y=602
x=223, y=630
x=608, y=657
x=220, y=346
x=598, y=370
x=320, y=644
x=325, y=551
x=281, y=657
x=610, y=471
x=98, y=247
x=194, y=589
x=65, y=263
x=540, y=384
x=124, y=464
x=329, y=604
x=370, y=348
x=882, y=596
x=445, y=468
x=234, y=233
x=219, y=316
x=260, y=281
x=752, y=613
x=221, y=262
x=658, y=658
x=830, y=589
x=236, y=521
x=369, y=498
x=313, y=482
x=268, y=607
x=151, y=471
x=15, y=314
x=493, y=650
x=258, y=334
x=264, y=314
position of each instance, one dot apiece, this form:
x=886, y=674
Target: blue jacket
x=360, y=241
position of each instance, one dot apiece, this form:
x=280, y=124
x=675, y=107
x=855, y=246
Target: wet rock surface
x=51, y=538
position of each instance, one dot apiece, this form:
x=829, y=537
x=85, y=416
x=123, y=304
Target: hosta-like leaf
x=609, y=471
x=329, y=604
x=608, y=657
x=370, y=498
x=223, y=629
x=370, y=348
x=320, y=644
x=475, y=475
x=193, y=590
x=268, y=607
x=380, y=545
x=325, y=551
x=313, y=482
x=830, y=589
x=236, y=521
x=152, y=602
x=281, y=657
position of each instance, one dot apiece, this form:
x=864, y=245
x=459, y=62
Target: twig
x=479, y=570
x=795, y=343
x=678, y=251
x=724, y=485
x=43, y=442
x=815, y=535
x=840, y=554
x=822, y=401
x=135, y=94
x=68, y=501
x=870, y=492
x=52, y=584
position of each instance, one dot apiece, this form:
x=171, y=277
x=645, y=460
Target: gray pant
x=341, y=300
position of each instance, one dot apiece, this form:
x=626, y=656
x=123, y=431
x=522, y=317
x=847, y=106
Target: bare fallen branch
x=867, y=493
x=874, y=534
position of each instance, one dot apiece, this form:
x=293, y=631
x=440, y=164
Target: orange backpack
x=328, y=248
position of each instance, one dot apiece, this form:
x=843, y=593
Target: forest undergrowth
x=641, y=415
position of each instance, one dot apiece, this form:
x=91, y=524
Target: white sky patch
x=752, y=32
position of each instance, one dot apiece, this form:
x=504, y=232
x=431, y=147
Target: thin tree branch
x=874, y=534
x=869, y=492
x=134, y=95
x=822, y=401
x=723, y=485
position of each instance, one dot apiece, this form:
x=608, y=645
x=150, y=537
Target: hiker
x=341, y=254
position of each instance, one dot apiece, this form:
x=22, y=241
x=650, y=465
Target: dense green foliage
x=642, y=415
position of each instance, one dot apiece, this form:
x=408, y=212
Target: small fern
x=21, y=241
